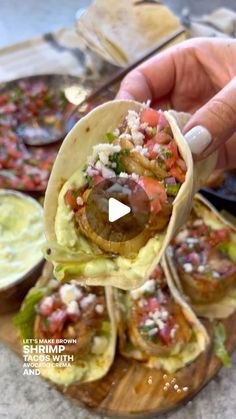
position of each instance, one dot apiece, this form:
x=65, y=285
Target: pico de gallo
x=144, y=150
x=75, y=313
x=31, y=112
x=153, y=323
x=205, y=258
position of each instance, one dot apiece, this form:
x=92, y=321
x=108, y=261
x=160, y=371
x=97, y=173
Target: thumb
x=213, y=124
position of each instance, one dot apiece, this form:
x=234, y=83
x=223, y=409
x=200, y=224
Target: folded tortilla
x=171, y=358
x=112, y=28
x=227, y=304
x=83, y=263
x=82, y=369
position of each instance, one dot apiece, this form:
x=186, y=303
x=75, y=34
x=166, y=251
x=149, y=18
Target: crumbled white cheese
x=215, y=274
x=86, y=301
x=99, y=345
x=149, y=322
x=188, y=267
x=123, y=174
x=79, y=201
x=134, y=176
x=192, y=240
x=103, y=151
x=198, y=223
x=149, y=286
x=153, y=332
x=146, y=104
x=99, y=308
x=125, y=136
x=133, y=122
x=107, y=173
x=91, y=171
x=201, y=268
x=141, y=150
x=69, y=292
x=73, y=308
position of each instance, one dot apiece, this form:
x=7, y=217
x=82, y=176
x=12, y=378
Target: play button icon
x=117, y=210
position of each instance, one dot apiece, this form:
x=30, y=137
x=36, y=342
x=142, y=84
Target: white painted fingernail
x=198, y=139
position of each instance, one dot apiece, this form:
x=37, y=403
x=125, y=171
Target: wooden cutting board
x=130, y=389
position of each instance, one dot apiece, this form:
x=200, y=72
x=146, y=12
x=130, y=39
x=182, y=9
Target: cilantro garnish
x=115, y=158
x=89, y=180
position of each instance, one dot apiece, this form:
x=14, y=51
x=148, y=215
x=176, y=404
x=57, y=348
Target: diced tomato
x=8, y=108
x=152, y=150
x=177, y=172
x=155, y=191
x=165, y=334
x=3, y=99
x=27, y=182
x=219, y=236
x=13, y=152
x=153, y=305
x=171, y=154
x=46, y=306
x=150, y=116
x=97, y=179
x=70, y=199
x=32, y=107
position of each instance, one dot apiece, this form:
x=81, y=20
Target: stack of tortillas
x=121, y=31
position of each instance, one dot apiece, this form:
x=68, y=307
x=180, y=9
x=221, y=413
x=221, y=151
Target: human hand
x=196, y=76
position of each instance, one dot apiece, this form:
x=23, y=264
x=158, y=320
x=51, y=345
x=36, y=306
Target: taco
x=82, y=318
x=127, y=140
x=202, y=259
x=157, y=327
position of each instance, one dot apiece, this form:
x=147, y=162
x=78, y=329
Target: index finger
x=152, y=80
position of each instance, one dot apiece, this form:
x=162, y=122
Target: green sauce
x=21, y=235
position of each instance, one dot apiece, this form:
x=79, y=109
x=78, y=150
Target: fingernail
x=124, y=95
x=198, y=139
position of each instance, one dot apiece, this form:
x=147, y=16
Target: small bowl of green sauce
x=21, y=240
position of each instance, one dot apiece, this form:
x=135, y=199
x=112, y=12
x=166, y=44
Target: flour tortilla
x=193, y=349
x=226, y=306
x=77, y=146
x=122, y=31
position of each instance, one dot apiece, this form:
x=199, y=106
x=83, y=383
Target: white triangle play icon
x=117, y=210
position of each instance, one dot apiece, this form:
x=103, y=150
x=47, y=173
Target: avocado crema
x=21, y=235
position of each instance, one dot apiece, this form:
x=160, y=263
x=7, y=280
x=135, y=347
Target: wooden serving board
x=131, y=389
